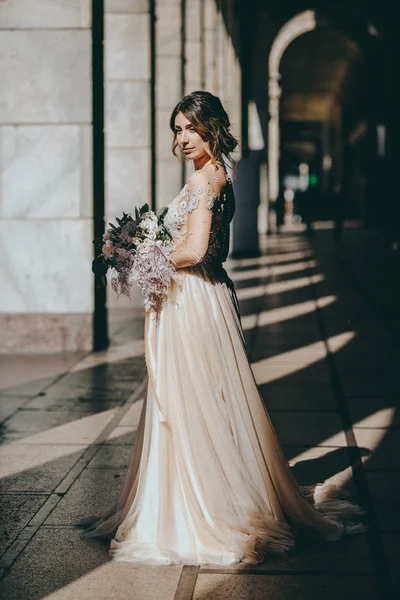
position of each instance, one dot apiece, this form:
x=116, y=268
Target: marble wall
x=169, y=90
x=127, y=111
x=45, y=175
x=46, y=167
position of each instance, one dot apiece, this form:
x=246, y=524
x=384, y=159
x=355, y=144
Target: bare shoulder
x=210, y=176
x=197, y=179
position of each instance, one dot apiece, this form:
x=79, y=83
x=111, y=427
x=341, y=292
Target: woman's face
x=189, y=141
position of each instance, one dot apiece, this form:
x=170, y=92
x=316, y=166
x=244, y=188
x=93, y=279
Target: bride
x=208, y=481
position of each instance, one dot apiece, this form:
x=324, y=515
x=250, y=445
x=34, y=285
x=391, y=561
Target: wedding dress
x=208, y=481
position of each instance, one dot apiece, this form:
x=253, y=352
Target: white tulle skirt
x=208, y=481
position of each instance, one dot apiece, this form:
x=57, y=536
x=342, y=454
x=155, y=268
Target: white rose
x=143, y=248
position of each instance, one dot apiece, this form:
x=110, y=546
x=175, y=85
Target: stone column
x=127, y=111
x=210, y=44
x=193, y=54
x=46, y=299
x=168, y=93
x=193, y=45
x=336, y=146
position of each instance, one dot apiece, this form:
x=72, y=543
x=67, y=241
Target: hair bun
x=211, y=121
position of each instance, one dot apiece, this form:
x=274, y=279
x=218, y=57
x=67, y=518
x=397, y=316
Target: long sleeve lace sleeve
x=193, y=247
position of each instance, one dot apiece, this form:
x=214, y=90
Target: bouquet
x=138, y=250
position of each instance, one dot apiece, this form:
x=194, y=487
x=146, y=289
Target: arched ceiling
x=315, y=69
x=319, y=73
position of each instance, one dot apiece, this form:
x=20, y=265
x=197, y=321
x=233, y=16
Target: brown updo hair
x=209, y=118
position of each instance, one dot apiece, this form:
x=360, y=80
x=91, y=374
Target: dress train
x=208, y=481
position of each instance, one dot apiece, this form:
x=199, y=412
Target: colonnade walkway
x=322, y=325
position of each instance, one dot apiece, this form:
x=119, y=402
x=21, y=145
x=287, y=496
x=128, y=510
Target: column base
x=45, y=333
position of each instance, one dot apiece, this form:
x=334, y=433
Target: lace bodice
x=198, y=220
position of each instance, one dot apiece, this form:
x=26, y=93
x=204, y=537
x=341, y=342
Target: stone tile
x=193, y=65
x=291, y=256
x=91, y=494
x=132, y=331
x=99, y=380
x=62, y=92
x=51, y=160
x=241, y=283
x=74, y=428
x=127, y=53
x=127, y=179
x=168, y=28
x=116, y=353
x=289, y=350
x=168, y=81
x=26, y=289
x=122, y=302
x=26, y=390
x=308, y=429
x=210, y=15
x=320, y=464
x=119, y=373
x=372, y=344
x=9, y=404
x=349, y=554
x=367, y=386
x=374, y=412
x=193, y=19
x=28, y=422
x=115, y=456
x=26, y=375
x=384, y=445
x=120, y=318
x=87, y=393
x=126, y=6
x=42, y=333
x=289, y=353
x=169, y=172
x=36, y=468
x=287, y=337
x=248, y=339
x=57, y=13
x=59, y=564
x=301, y=326
x=391, y=542
x=16, y=512
x=385, y=489
x=350, y=363
x=127, y=114
x=86, y=171
x=288, y=395
x=131, y=418
x=82, y=400
x=315, y=373
x=283, y=587
x=165, y=138
x=122, y=436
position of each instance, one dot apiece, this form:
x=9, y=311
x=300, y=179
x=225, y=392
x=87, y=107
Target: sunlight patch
x=284, y=364
x=278, y=315
x=113, y=354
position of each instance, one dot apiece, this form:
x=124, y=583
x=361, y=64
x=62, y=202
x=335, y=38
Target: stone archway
x=295, y=27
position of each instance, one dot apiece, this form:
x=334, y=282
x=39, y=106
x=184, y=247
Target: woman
x=208, y=481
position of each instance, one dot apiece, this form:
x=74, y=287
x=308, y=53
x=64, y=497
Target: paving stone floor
x=322, y=326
